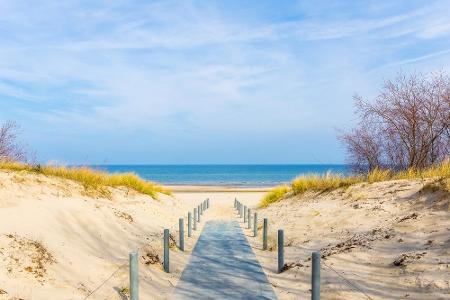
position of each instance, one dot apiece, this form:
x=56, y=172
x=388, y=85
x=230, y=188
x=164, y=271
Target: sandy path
x=223, y=266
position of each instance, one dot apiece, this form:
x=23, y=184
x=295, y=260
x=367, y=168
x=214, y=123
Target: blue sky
x=205, y=81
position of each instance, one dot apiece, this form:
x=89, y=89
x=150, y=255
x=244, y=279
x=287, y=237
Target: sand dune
x=56, y=243
x=387, y=240
x=391, y=240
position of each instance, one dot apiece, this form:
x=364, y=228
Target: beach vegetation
x=275, y=195
x=93, y=181
x=405, y=128
x=10, y=147
x=322, y=183
x=330, y=181
x=377, y=175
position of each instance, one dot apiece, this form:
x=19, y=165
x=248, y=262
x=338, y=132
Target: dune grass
x=327, y=182
x=93, y=181
x=378, y=175
x=274, y=195
x=330, y=181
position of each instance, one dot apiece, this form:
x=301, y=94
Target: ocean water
x=232, y=175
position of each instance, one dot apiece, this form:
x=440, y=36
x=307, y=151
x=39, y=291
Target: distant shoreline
x=224, y=177
x=180, y=188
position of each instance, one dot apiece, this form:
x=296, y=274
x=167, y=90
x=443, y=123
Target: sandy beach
x=58, y=243
x=328, y=120
x=386, y=240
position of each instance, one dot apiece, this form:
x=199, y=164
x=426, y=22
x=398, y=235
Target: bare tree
x=10, y=147
x=406, y=126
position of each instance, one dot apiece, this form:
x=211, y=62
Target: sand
x=387, y=240
x=58, y=243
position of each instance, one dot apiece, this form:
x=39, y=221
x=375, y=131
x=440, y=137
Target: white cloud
x=171, y=67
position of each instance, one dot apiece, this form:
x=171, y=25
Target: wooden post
x=265, y=234
x=134, y=276
x=255, y=225
x=280, y=250
x=245, y=213
x=189, y=224
x=195, y=218
x=198, y=214
x=181, y=231
x=249, y=218
x=315, y=276
x=166, y=250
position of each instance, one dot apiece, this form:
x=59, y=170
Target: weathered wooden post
x=280, y=250
x=189, y=224
x=134, y=276
x=199, y=213
x=195, y=218
x=245, y=213
x=255, y=225
x=249, y=217
x=166, y=250
x=207, y=203
x=181, y=231
x=315, y=276
x=265, y=234
x=240, y=210
x=234, y=203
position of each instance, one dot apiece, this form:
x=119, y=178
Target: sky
x=198, y=82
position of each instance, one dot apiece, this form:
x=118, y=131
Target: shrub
x=406, y=126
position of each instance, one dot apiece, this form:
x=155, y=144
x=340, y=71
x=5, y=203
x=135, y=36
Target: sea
x=225, y=175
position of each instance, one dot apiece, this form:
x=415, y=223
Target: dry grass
x=330, y=181
x=93, y=181
x=441, y=170
x=322, y=183
x=274, y=195
x=378, y=175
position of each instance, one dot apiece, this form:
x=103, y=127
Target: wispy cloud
x=202, y=69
